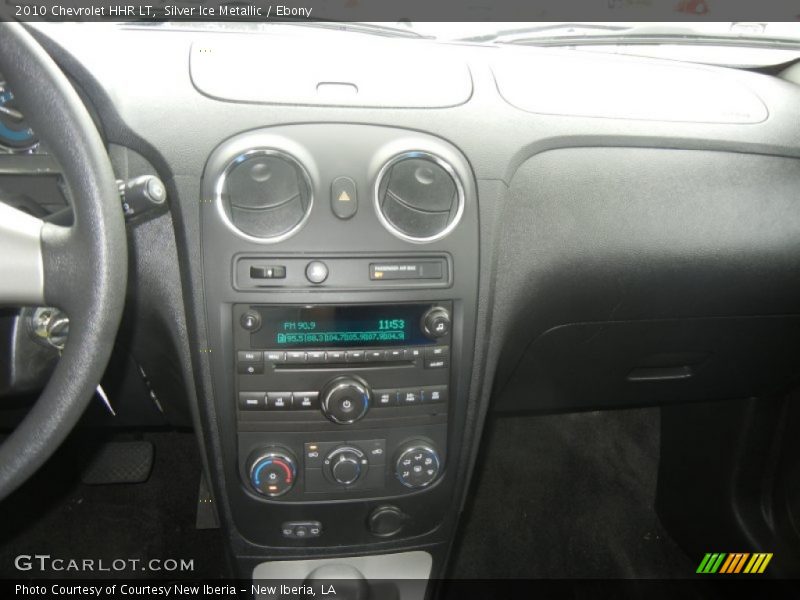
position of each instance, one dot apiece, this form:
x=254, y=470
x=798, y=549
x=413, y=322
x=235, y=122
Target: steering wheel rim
x=81, y=269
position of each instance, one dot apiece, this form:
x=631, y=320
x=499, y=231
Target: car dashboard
x=371, y=243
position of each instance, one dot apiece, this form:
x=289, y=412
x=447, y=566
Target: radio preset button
x=295, y=357
x=305, y=400
x=279, y=400
x=249, y=356
x=315, y=356
x=395, y=354
x=355, y=356
x=384, y=398
x=334, y=356
x=375, y=355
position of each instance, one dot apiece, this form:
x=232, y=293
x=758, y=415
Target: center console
x=340, y=266
x=341, y=401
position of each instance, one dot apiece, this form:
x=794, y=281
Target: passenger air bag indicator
x=429, y=269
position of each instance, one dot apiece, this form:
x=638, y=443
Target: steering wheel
x=80, y=269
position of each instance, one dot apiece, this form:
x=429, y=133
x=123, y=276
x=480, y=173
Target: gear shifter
x=348, y=581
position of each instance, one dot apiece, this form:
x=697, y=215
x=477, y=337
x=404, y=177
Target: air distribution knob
x=272, y=471
x=345, y=400
x=418, y=464
x=436, y=322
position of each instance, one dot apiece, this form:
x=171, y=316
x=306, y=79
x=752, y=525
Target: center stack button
x=345, y=400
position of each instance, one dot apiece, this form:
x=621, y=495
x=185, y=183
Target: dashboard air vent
x=265, y=194
x=418, y=197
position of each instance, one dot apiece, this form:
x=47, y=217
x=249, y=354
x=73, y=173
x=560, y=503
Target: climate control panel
x=372, y=467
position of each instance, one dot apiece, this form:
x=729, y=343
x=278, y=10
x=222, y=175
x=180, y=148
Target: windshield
x=513, y=31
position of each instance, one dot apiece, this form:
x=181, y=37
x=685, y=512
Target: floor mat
x=54, y=513
x=563, y=496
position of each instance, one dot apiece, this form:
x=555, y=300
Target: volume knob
x=345, y=400
x=436, y=322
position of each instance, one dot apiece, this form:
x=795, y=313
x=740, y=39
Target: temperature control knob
x=417, y=465
x=346, y=465
x=272, y=472
x=345, y=400
x=436, y=322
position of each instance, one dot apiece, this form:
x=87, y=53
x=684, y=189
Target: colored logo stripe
x=721, y=562
x=711, y=563
x=736, y=562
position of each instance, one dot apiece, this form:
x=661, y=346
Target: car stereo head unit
x=282, y=327
x=342, y=399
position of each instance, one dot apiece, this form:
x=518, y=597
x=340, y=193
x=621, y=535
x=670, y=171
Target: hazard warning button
x=344, y=198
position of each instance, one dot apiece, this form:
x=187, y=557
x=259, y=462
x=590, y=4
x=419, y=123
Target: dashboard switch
x=434, y=394
x=344, y=197
x=301, y=529
x=249, y=368
x=384, y=398
x=267, y=272
x=437, y=357
x=252, y=400
x=279, y=400
x=248, y=356
x=305, y=400
x=410, y=396
x=316, y=271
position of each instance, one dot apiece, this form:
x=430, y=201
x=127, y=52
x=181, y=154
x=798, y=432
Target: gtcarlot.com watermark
x=45, y=563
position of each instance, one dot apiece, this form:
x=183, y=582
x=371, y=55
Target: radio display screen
x=324, y=326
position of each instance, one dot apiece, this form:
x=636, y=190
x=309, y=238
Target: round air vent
x=264, y=195
x=419, y=197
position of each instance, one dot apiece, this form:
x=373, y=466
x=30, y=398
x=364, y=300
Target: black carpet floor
x=55, y=514
x=563, y=496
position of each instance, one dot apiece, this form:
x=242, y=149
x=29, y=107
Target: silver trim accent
x=219, y=185
x=409, y=570
x=21, y=263
x=376, y=201
x=272, y=454
x=344, y=384
x=416, y=448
